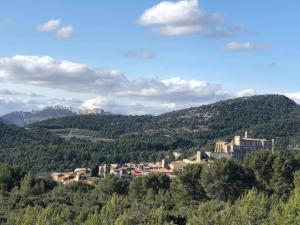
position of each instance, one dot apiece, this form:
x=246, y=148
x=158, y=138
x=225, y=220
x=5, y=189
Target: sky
x=145, y=57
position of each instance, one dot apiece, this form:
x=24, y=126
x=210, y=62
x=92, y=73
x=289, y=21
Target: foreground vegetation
x=264, y=189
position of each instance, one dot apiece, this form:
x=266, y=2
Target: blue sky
x=214, y=49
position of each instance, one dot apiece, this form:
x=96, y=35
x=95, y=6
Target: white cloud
x=117, y=93
x=179, y=18
x=246, y=93
x=66, y=32
x=17, y=93
x=8, y=92
x=95, y=103
x=246, y=46
x=294, y=96
x=172, y=89
x=49, y=26
x=172, y=30
x=127, y=107
x=140, y=54
x=45, y=71
x=66, y=75
x=10, y=104
x=168, y=106
x=54, y=25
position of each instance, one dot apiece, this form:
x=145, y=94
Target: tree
x=226, y=180
x=261, y=163
x=148, y=186
x=95, y=171
x=29, y=217
x=112, y=210
x=187, y=186
x=287, y=213
x=284, y=167
x=95, y=219
x=157, y=217
x=135, y=215
x=274, y=172
x=297, y=179
x=208, y=213
x=252, y=208
x=49, y=216
x=9, y=177
x=109, y=185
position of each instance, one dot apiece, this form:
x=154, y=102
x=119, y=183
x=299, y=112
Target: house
x=79, y=174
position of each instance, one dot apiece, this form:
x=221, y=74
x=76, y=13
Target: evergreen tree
x=226, y=180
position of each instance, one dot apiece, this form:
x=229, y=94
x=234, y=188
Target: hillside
x=10, y=136
x=209, y=121
x=85, y=140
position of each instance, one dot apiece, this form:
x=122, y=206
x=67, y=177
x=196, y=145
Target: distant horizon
x=86, y=109
x=145, y=57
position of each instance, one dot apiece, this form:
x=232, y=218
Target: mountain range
x=213, y=120
x=21, y=118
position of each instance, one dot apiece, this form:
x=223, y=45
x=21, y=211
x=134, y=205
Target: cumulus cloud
x=54, y=25
x=47, y=72
x=170, y=90
x=9, y=104
x=140, y=54
x=11, y=101
x=168, y=106
x=294, y=96
x=5, y=91
x=65, y=32
x=49, y=26
x=246, y=46
x=95, y=103
x=179, y=18
x=126, y=108
x=246, y=93
x=117, y=93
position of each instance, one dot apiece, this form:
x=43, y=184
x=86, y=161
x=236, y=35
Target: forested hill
x=11, y=136
x=86, y=140
x=214, y=120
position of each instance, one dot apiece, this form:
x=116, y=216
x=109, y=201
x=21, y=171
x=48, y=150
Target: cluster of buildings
x=237, y=148
x=79, y=174
x=131, y=170
x=128, y=170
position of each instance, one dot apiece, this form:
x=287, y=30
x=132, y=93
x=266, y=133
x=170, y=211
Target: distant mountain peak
x=21, y=118
x=57, y=106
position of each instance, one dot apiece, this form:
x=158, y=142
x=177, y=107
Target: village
x=237, y=148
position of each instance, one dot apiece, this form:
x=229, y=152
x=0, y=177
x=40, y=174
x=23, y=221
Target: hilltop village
x=237, y=148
